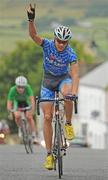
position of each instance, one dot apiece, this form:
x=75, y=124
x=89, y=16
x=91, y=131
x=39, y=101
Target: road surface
x=79, y=164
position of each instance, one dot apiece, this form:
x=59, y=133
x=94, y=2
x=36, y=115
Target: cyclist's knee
x=29, y=117
x=65, y=93
x=17, y=115
x=17, y=118
x=47, y=117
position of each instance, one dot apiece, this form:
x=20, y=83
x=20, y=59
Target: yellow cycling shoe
x=49, y=162
x=69, y=132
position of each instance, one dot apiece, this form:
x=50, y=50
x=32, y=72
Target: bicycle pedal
x=65, y=146
x=63, y=149
x=55, y=156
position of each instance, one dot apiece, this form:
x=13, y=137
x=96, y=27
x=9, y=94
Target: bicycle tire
x=30, y=144
x=59, y=155
x=54, y=148
x=26, y=139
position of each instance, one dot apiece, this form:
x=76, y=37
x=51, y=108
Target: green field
x=13, y=20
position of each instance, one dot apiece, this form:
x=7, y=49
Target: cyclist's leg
x=16, y=113
x=30, y=119
x=31, y=122
x=47, y=126
x=65, y=88
x=48, y=113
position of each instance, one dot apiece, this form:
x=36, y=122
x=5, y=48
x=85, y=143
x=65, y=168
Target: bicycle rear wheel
x=30, y=143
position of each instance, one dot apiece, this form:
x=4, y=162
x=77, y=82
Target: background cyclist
x=57, y=56
x=21, y=95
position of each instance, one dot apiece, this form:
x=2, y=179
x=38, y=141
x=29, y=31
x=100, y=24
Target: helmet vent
x=63, y=33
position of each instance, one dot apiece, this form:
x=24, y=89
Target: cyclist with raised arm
x=57, y=57
x=21, y=95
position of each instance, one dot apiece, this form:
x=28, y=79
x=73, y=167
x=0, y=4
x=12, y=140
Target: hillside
x=76, y=8
x=83, y=17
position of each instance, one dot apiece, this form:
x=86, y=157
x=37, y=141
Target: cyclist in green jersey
x=21, y=95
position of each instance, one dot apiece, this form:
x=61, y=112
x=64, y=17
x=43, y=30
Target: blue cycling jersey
x=54, y=62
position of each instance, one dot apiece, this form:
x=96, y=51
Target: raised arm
x=32, y=28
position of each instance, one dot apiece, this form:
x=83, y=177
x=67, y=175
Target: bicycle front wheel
x=59, y=153
x=27, y=139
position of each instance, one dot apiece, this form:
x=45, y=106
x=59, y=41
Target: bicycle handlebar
x=21, y=109
x=25, y=108
x=56, y=100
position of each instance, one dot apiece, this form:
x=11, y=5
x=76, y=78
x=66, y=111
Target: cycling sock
x=49, y=152
x=68, y=122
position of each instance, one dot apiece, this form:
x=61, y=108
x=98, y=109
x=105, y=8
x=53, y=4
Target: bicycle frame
x=59, y=140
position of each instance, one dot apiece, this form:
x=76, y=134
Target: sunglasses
x=20, y=87
x=61, y=42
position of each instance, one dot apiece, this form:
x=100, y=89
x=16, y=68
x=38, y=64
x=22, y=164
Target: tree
x=26, y=60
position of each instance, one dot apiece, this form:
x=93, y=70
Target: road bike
x=25, y=130
x=60, y=143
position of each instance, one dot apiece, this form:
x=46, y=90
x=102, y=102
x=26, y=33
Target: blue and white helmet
x=63, y=33
x=21, y=81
